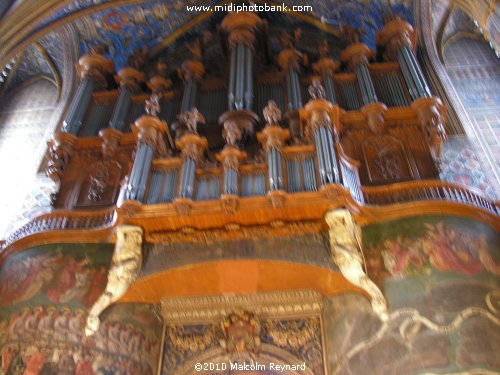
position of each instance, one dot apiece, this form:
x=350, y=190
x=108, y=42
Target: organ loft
x=262, y=192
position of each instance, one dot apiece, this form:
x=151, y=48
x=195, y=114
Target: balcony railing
x=426, y=191
x=63, y=220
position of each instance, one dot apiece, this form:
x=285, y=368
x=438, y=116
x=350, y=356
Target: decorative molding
x=213, y=309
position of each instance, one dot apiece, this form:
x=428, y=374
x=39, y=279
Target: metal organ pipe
x=414, y=78
x=249, y=79
x=232, y=80
x=121, y=109
x=79, y=105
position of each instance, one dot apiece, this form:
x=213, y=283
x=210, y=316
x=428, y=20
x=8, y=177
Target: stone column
x=130, y=81
x=241, y=29
x=322, y=123
x=356, y=55
x=399, y=40
x=272, y=138
x=149, y=130
x=93, y=70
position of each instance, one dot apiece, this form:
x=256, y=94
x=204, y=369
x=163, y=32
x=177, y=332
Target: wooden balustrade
x=426, y=190
x=63, y=220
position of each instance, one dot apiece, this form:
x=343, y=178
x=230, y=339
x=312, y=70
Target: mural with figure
x=440, y=277
x=45, y=293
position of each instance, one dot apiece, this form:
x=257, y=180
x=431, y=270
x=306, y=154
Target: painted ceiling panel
x=32, y=64
x=127, y=28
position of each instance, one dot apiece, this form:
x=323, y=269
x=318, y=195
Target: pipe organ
x=354, y=123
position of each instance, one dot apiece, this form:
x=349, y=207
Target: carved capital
x=159, y=85
x=229, y=203
x=345, y=247
x=395, y=35
x=110, y=142
x=320, y=113
x=191, y=69
x=231, y=157
x=125, y=267
x=356, y=54
x=60, y=150
x=131, y=79
x=241, y=28
x=273, y=136
x=95, y=68
x=431, y=113
x=326, y=66
x=374, y=113
x=192, y=146
x=150, y=130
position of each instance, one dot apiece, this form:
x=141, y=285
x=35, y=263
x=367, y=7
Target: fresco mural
x=440, y=277
x=44, y=296
x=70, y=274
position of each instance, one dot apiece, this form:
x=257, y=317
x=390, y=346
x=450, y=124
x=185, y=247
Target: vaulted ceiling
x=33, y=46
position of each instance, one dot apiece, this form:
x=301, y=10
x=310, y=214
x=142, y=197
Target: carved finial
x=272, y=114
x=316, y=89
x=152, y=106
x=350, y=34
x=191, y=119
x=323, y=48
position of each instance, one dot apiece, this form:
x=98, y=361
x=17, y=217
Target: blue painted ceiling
x=126, y=28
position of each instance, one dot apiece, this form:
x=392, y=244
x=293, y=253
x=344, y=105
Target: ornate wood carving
x=345, y=242
x=124, y=269
x=396, y=33
x=130, y=78
x=95, y=68
x=241, y=28
x=355, y=54
x=60, y=149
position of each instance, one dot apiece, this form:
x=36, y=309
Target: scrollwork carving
x=124, y=269
x=345, y=245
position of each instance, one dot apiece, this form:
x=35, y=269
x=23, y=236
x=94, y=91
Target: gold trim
x=295, y=303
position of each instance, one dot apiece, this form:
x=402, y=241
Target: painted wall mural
x=45, y=293
x=70, y=274
x=440, y=277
